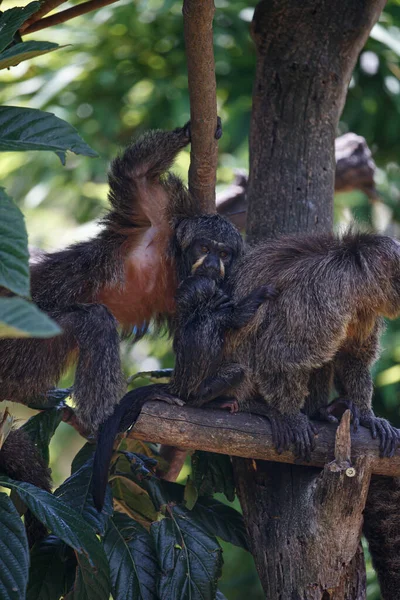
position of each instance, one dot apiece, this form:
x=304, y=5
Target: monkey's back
x=326, y=284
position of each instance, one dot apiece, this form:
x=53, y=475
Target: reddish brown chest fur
x=149, y=285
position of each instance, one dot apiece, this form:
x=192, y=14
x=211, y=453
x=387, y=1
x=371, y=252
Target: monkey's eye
x=204, y=249
x=223, y=254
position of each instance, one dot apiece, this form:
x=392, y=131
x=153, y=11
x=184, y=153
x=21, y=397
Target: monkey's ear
x=182, y=235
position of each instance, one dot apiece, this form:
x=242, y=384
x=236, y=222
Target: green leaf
x=31, y=129
x=190, y=559
x=131, y=555
x=212, y=473
x=14, y=255
x=50, y=399
x=41, y=428
x=82, y=456
x=14, y=553
x=221, y=520
x=21, y=319
x=191, y=494
x=24, y=51
x=11, y=20
x=50, y=570
x=76, y=492
x=90, y=584
x=59, y=518
x=133, y=500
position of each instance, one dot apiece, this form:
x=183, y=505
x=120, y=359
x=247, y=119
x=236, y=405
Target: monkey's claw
x=389, y=436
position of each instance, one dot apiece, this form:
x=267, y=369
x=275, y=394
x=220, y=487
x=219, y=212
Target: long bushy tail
x=124, y=415
x=382, y=530
x=20, y=460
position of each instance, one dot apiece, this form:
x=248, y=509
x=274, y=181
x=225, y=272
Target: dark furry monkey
x=123, y=277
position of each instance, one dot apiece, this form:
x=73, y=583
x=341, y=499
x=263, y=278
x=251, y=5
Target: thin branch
x=69, y=416
x=198, y=18
x=46, y=7
x=66, y=15
x=248, y=436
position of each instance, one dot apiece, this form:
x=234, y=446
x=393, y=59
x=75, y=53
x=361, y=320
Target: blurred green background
x=123, y=71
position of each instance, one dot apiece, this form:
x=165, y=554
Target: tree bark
x=306, y=52
x=198, y=18
x=305, y=55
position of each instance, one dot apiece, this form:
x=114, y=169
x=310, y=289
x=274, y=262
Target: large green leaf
x=24, y=51
x=12, y=19
x=190, y=559
x=133, y=562
x=76, y=491
x=14, y=553
x=90, y=584
x=22, y=319
x=31, y=129
x=14, y=255
x=59, y=518
x=213, y=473
x=50, y=570
x=41, y=428
x=220, y=520
x=82, y=456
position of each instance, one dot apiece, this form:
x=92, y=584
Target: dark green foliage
x=41, y=428
x=132, y=558
x=14, y=553
x=14, y=270
x=50, y=563
x=213, y=473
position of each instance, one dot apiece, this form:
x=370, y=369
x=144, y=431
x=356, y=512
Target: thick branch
x=45, y=7
x=198, y=18
x=66, y=15
x=247, y=435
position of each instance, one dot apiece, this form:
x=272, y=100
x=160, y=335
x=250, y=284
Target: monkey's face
x=210, y=258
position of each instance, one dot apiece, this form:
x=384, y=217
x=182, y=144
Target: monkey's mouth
x=210, y=272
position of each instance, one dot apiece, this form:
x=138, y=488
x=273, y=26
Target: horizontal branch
x=246, y=435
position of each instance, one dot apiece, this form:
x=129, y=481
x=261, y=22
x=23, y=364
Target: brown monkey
x=124, y=276
x=20, y=460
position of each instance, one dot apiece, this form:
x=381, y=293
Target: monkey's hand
x=218, y=131
x=248, y=306
x=288, y=429
x=389, y=436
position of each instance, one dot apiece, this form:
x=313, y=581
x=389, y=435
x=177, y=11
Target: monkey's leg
x=284, y=392
x=354, y=380
x=99, y=383
x=320, y=385
x=20, y=460
x=228, y=377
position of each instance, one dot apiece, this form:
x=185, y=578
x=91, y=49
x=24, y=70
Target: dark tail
x=382, y=530
x=20, y=460
x=124, y=415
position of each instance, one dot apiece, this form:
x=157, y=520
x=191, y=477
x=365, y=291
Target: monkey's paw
x=389, y=436
x=294, y=429
x=187, y=129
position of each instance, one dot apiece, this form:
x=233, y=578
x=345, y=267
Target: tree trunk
x=306, y=52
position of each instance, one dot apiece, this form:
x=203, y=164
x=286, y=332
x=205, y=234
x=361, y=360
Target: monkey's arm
x=20, y=460
x=354, y=383
x=124, y=416
x=246, y=308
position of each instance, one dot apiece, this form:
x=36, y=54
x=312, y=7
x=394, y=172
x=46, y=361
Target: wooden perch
x=198, y=18
x=249, y=436
x=355, y=170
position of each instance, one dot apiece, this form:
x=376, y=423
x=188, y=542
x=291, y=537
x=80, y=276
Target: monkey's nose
x=211, y=263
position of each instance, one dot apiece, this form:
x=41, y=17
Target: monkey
x=122, y=278
x=204, y=250
x=324, y=325
x=20, y=460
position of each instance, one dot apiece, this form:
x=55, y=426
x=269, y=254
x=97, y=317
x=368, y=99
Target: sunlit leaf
x=30, y=129
x=12, y=19
x=14, y=255
x=24, y=51
x=21, y=319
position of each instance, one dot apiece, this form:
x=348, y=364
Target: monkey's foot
x=288, y=430
x=225, y=404
x=333, y=412
x=188, y=130
x=389, y=436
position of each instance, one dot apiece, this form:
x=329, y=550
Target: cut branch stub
x=198, y=18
